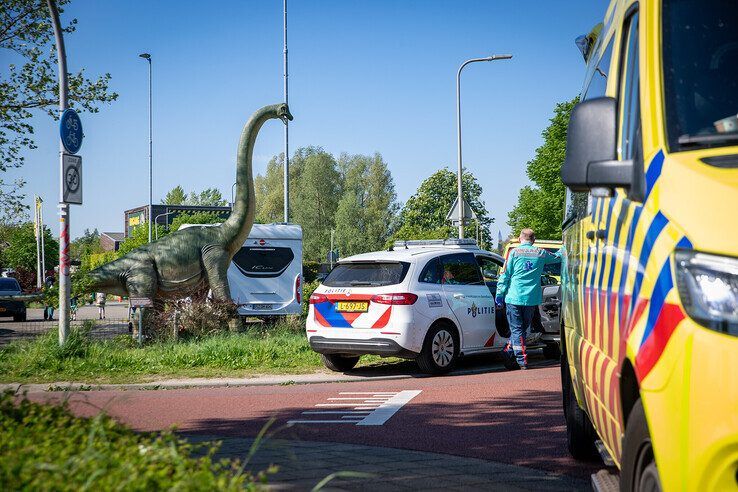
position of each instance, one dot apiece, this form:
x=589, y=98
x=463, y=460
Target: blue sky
x=365, y=76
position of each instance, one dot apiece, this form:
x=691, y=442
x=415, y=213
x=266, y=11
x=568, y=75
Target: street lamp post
x=64, y=263
x=156, y=221
x=147, y=57
x=458, y=132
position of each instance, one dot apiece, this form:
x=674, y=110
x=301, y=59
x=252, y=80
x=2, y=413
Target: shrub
x=310, y=270
x=193, y=316
x=46, y=447
x=307, y=291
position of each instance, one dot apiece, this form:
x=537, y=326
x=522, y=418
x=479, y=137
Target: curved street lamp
x=458, y=131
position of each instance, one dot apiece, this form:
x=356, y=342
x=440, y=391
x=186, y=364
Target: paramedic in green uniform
x=519, y=287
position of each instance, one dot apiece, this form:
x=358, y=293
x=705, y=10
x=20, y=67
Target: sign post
x=140, y=303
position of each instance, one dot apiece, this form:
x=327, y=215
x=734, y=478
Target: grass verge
x=46, y=447
x=279, y=349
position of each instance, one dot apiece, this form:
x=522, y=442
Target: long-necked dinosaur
x=187, y=257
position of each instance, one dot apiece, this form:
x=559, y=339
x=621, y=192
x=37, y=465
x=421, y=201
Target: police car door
x=469, y=298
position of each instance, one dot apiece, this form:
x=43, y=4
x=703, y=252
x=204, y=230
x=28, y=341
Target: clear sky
x=365, y=76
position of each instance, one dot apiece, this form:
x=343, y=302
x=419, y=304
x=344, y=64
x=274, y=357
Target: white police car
x=431, y=301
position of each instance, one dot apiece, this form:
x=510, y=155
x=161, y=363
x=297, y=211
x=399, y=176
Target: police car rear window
x=9, y=284
x=367, y=274
x=263, y=262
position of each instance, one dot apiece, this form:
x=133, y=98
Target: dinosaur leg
x=216, y=261
x=141, y=281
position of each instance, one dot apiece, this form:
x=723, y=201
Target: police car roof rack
x=430, y=243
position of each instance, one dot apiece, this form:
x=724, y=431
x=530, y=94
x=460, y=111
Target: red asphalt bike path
x=509, y=417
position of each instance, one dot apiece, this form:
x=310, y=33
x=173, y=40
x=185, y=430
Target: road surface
x=499, y=417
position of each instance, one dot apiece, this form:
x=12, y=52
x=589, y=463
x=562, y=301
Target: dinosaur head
x=283, y=113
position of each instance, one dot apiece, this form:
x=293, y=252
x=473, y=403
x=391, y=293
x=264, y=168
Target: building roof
x=115, y=236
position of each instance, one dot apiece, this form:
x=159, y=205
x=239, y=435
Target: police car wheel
x=440, y=350
x=339, y=363
x=638, y=471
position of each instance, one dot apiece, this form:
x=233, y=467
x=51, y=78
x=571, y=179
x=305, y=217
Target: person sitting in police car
x=519, y=287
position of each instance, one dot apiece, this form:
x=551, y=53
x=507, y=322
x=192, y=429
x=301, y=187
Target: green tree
x=29, y=85
x=541, y=206
x=194, y=218
x=367, y=206
x=140, y=236
x=269, y=188
x=87, y=244
x=211, y=197
x=175, y=196
x=424, y=214
x=19, y=247
x=315, y=203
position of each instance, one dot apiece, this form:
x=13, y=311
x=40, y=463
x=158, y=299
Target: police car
x=431, y=301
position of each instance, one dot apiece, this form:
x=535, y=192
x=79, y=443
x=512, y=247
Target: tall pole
x=43, y=241
x=151, y=155
x=286, y=128
x=64, y=285
x=37, y=227
x=458, y=134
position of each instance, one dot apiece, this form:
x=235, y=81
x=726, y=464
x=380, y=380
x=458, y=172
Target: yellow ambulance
x=650, y=274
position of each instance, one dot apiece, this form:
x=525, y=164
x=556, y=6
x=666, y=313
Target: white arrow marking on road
x=374, y=409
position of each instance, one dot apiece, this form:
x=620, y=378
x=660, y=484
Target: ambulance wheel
x=551, y=351
x=440, y=349
x=339, y=363
x=638, y=472
x=580, y=434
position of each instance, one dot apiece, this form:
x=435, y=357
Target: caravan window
x=263, y=262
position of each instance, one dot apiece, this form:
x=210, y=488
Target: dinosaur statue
x=184, y=259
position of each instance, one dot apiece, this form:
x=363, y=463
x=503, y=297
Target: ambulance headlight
x=708, y=287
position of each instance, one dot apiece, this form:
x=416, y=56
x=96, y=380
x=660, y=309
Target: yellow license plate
x=352, y=306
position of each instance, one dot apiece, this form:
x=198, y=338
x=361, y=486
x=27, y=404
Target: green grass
x=46, y=447
x=281, y=349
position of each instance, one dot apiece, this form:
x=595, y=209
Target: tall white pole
x=64, y=285
x=458, y=134
x=286, y=128
x=43, y=241
x=37, y=227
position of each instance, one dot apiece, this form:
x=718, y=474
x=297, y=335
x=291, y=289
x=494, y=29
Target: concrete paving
x=303, y=464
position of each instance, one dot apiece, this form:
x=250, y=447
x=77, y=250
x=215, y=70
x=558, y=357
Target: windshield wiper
x=688, y=140
x=355, y=283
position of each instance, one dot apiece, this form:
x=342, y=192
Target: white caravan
x=265, y=275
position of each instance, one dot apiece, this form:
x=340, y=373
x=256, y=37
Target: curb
x=277, y=380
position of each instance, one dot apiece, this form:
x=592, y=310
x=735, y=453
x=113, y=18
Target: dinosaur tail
x=236, y=229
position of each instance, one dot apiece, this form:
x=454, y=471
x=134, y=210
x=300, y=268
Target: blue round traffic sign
x=70, y=128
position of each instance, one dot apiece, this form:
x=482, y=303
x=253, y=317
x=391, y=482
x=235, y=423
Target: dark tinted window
x=461, y=269
x=700, y=65
x=263, y=262
x=9, y=284
x=432, y=273
x=630, y=91
x=598, y=77
x=374, y=274
x=490, y=268
x=552, y=268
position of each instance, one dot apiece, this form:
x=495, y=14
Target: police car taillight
x=318, y=298
x=404, y=299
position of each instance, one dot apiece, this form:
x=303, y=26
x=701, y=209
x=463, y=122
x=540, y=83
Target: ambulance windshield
x=700, y=40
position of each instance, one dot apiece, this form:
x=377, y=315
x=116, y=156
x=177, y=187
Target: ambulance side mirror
x=591, y=148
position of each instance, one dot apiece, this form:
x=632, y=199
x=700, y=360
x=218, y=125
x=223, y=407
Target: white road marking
x=375, y=408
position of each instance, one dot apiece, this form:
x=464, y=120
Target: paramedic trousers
x=520, y=319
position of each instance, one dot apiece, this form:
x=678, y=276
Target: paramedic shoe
x=532, y=338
